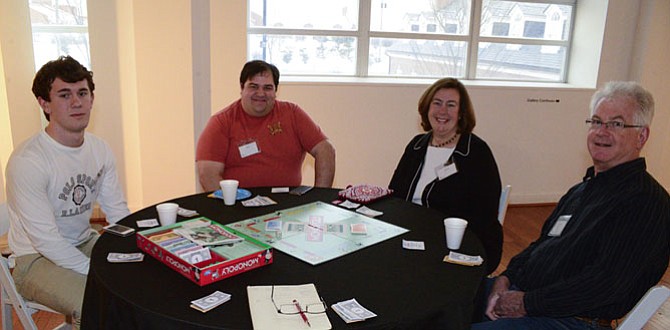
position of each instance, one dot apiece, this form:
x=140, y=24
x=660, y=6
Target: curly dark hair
x=64, y=67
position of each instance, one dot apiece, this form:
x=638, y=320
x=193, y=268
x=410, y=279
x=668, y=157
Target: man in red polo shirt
x=261, y=141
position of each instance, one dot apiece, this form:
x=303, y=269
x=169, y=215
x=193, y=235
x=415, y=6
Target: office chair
x=504, y=202
x=645, y=308
x=9, y=297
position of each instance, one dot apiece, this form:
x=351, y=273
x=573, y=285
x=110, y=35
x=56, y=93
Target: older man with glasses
x=607, y=241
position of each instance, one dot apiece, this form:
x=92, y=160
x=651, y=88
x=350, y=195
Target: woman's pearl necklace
x=453, y=138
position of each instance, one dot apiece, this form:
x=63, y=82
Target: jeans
x=528, y=322
x=536, y=323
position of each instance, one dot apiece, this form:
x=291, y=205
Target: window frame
x=473, y=39
x=57, y=29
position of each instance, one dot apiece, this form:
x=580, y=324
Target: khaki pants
x=40, y=280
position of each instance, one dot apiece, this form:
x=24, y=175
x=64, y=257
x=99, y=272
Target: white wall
x=142, y=54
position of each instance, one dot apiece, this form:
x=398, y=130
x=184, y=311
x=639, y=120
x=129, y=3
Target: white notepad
x=264, y=315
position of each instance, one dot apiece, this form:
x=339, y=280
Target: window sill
x=375, y=81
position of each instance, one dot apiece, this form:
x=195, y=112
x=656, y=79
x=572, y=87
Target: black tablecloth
x=405, y=288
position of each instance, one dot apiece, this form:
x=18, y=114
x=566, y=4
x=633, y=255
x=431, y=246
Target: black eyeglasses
x=614, y=125
x=291, y=309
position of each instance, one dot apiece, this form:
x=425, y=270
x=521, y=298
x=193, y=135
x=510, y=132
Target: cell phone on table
x=120, y=230
x=300, y=190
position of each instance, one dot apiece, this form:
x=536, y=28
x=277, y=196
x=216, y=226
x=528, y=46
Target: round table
x=405, y=288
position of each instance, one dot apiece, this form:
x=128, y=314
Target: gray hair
x=632, y=91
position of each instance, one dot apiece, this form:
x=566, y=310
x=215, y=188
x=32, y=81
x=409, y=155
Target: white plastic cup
x=229, y=190
x=454, y=229
x=167, y=213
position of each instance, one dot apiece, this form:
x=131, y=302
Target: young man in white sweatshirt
x=53, y=180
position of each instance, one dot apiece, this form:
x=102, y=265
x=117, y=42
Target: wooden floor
x=522, y=225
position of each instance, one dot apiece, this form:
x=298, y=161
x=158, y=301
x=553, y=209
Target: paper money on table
x=258, y=201
x=207, y=303
x=463, y=259
x=186, y=212
x=351, y=311
x=413, y=245
x=368, y=211
x=349, y=204
x=125, y=257
x=147, y=223
x=195, y=256
x=212, y=234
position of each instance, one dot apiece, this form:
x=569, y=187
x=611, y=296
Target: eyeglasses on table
x=291, y=309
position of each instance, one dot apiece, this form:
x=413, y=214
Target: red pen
x=302, y=314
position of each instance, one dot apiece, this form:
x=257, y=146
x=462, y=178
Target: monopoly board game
x=317, y=232
x=203, y=251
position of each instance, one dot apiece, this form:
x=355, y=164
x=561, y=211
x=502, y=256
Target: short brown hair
x=466, y=113
x=252, y=68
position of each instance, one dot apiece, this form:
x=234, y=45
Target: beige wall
x=16, y=50
x=651, y=67
x=144, y=69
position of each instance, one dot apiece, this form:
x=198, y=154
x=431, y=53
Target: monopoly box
x=203, y=250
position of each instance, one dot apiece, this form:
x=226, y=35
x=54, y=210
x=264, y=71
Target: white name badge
x=248, y=149
x=445, y=171
x=560, y=224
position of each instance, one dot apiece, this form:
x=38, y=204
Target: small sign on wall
x=534, y=100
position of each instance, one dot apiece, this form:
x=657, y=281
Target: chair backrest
x=504, y=201
x=10, y=298
x=4, y=219
x=645, y=308
x=4, y=229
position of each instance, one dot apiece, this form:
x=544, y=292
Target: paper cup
x=229, y=190
x=167, y=213
x=454, y=229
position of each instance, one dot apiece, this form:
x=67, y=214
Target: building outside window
x=60, y=27
x=469, y=39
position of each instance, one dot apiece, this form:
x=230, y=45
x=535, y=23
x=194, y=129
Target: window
x=469, y=39
x=500, y=29
x=533, y=29
x=60, y=27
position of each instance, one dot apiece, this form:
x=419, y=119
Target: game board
x=317, y=232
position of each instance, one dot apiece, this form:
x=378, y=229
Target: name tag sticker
x=248, y=149
x=560, y=224
x=445, y=171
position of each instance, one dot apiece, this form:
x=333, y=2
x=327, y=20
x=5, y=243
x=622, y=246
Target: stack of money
x=351, y=311
x=205, y=304
x=258, y=201
x=368, y=211
x=463, y=259
x=125, y=257
x=186, y=212
x=413, y=245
